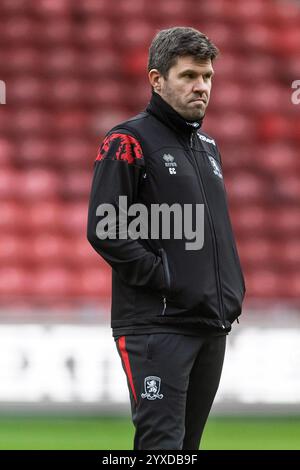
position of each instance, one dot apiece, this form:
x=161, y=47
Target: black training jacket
x=157, y=284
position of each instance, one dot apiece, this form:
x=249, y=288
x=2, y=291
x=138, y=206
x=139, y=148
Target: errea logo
x=168, y=158
x=169, y=163
x=206, y=139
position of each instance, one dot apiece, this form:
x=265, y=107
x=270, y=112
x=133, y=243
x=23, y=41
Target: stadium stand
x=74, y=69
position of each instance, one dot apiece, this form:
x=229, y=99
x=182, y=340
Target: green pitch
x=117, y=433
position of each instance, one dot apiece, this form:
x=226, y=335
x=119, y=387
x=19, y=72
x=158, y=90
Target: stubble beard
x=182, y=108
x=192, y=115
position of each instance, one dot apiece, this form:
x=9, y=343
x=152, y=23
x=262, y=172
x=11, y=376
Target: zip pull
x=165, y=305
x=193, y=135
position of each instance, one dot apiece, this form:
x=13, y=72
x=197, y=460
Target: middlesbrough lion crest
x=152, y=388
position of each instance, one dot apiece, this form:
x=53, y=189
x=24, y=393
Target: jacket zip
x=214, y=237
x=166, y=267
x=165, y=304
x=167, y=276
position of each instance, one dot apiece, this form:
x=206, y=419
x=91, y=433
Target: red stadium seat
x=72, y=121
x=257, y=69
x=12, y=249
x=21, y=60
x=263, y=283
x=213, y=11
x=51, y=7
x=73, y=218
x=295, y=125
x=56, y=31
x=280, y=14
x=43, y=216
x=9, y=183
x=225, y=68
x=130, y=9
x=248, y=12
x=276, y=157
x=250, y=220
x=285, y=220
x=231, y=96
x=106, y=67
x=246, y=187
x=76, y=184
x=92, y=8
x=48, y=249
x=134, y=63
x=110, y=93
x=26, y=90
x=286, y=41
x=54, y=282
x=32, y=121
x=221, y=34
x=233, y=127
x=237, y=157
x=134, y=34
x=105, y=119
x=289, y=253
x=295, y=285
x=37, y=184
x=273, y=126
x=14, y=281
x=75, y=152
x=289, y=286
x=13, y=6
x=10, y=210
x=19, y=29
x=268, y=96
x=256, y=37
x=61, y=61
x=292, y=66
x=288, y=188
x=67, y=91
x=6, y=123
x=95, y=283
x=36, y=151
x=95, y=32
x=256, y=252
x=7, y=152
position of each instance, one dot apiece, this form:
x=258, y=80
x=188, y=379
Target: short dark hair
x=168, y=44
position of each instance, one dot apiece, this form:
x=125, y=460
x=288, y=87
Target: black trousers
x=172, y=381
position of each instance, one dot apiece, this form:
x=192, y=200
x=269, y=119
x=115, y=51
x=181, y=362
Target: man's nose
x=201, y=86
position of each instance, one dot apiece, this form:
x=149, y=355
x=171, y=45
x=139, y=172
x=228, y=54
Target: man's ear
x=155, y=79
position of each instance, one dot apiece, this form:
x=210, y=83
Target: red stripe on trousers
x=125, y=358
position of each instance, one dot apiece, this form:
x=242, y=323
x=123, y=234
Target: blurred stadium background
x=72, y=70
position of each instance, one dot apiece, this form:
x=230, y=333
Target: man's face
x=187, y=87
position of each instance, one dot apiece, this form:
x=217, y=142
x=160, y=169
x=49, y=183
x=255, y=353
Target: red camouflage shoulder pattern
x=120, y=147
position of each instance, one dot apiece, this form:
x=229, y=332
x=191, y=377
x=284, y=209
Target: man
x=172, y=303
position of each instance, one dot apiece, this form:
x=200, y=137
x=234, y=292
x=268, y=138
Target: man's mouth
x=199, y=100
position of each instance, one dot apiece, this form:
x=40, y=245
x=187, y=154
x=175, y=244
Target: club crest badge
x=215, y=166
x=152, y=388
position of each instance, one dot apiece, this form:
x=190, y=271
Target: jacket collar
x=165, y=113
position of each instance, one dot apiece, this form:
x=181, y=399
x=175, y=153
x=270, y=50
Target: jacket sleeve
x=117, y=171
